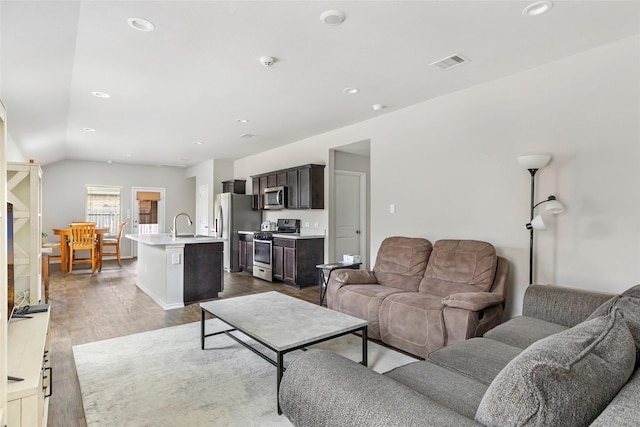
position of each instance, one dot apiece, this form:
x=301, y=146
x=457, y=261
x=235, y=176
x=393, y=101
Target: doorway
x=147, y=205
x=350, y=226
x=203, y=210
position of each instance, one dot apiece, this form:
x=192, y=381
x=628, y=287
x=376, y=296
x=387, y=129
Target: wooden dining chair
x=114, y=242
x=83, y=238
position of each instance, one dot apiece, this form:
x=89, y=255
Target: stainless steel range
x=263, y=248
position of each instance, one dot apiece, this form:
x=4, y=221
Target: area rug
x=163, y=378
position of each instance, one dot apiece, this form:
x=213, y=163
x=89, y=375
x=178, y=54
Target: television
x=10, y=278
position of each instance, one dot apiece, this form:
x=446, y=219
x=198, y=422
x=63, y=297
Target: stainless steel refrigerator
x=233, y=213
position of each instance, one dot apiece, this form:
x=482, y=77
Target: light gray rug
x=163, y=378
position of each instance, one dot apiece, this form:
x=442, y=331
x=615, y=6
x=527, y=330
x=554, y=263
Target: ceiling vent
x=450, y=62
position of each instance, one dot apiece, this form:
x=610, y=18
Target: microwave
x=275, y=197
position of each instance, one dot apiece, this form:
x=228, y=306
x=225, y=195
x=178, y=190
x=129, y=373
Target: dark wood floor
x=89, y=307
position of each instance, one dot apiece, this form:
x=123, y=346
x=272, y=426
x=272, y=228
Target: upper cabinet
x=305, y=186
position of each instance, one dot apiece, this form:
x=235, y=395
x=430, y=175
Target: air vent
x=450, y=62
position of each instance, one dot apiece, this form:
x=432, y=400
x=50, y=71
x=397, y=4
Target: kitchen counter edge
x=166, y=239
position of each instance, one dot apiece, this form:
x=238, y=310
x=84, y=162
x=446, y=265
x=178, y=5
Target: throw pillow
x=565, y=379
x=628, y=303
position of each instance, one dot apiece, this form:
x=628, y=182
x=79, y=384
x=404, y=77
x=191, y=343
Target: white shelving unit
x=24, y=190
x=28, y=359
x=3, y=270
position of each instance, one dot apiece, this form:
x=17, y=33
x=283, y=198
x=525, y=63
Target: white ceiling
x=199, y=71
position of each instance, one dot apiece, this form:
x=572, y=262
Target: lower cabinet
x=28, y=358
x=246, y=253
x=295, y=260
x=203, y=271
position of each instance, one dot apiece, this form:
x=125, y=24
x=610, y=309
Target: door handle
x=357, y=231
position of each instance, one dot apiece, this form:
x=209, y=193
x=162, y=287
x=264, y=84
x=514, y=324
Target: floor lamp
x=534, y=162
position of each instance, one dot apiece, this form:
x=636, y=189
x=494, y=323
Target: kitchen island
x=175, y=272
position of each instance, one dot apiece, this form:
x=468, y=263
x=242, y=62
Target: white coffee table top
x=280, y=321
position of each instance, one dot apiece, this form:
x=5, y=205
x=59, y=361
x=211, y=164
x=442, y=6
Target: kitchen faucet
x=174, y=229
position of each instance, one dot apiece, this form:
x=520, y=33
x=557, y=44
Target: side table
x=325, y=274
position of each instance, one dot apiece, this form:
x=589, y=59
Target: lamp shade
x=554, y=207
x=534, y=161
x=537, y=223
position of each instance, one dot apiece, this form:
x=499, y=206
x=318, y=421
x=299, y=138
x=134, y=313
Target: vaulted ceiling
x=179, y=93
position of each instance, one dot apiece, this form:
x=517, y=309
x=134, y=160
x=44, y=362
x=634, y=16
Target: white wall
x=13, y=152
x=63, y=191
x=449, y=166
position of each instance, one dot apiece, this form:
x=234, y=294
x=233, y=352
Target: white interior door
x=350, y=210
x=203, y=210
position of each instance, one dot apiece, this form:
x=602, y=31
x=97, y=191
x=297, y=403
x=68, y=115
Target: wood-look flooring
x=89, y=307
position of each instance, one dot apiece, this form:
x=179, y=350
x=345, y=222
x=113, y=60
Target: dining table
x=65, y=233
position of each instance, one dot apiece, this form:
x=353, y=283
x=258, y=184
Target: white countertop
x=293, y=236
x=165, y=239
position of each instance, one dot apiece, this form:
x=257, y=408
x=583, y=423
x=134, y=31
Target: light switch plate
x=175, y=258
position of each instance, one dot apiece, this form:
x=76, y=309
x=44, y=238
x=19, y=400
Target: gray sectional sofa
x=571, y=359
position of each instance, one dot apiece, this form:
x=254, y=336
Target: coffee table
x=280, y=323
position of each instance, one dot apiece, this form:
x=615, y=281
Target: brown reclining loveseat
x=421, y=297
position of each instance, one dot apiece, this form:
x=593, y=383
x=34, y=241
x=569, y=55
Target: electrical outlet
x=316, y=225
x=306, y=225
x=392, y=208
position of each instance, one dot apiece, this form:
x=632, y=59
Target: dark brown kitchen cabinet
x=237, y=186
x=295, y=260
x=278, y=262
x=281, y=178
x=292, y=189
x=203, y=272
x=305, y=186
x=246, y=253
x=261, y=186
x=311, y=187
x=257, y=200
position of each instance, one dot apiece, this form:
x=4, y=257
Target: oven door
x=262, y=259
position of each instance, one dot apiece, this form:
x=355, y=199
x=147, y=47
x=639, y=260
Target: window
x=103, y=206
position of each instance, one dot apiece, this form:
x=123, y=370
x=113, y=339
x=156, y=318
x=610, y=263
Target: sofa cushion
x=413, y=322
x=448, y=388
x=477, y=358
x=460, y=266
x=522, y=331
x=565, y=379
x=362, y=301
x=401, y=262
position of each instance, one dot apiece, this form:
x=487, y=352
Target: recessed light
x=242, y=120
x=378, y=107
x=197, y=142
x=537, y=8
x=109, y=161
x=332, y=17
x=101, y=95
x=351, y=90
x=247, y=135
x=141, y=24
x=88, y=129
